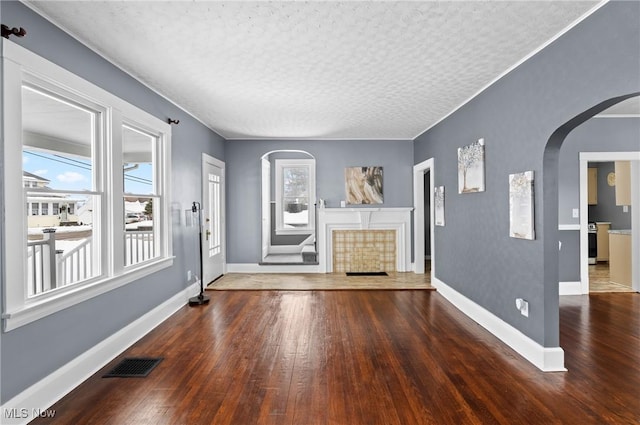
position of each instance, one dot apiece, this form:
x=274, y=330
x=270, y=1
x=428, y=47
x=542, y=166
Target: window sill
x=37, y=310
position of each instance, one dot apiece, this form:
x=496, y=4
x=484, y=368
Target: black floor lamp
x=201, y=298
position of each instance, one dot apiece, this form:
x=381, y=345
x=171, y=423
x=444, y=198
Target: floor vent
x=367, y=274
x=133, y=368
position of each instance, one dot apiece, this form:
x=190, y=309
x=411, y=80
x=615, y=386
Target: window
x=88, y=154
x=140, y=194
x=295, y=196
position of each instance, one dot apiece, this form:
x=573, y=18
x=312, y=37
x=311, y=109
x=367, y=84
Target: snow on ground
x=59, y=229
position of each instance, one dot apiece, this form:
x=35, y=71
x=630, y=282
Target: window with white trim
x=94, y=157
x=295, y=196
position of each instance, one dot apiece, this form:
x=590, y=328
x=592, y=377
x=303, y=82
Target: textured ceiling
x=315, y=70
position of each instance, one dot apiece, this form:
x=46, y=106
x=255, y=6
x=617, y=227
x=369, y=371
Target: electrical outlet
x=576, y=213
x=189, y=276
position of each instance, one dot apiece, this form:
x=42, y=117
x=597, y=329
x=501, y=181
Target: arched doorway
x=551, y=198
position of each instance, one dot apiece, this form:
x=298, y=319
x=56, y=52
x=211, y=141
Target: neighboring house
x=48, y=209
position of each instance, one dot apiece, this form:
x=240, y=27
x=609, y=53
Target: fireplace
x=364, y=251
x=364, y=239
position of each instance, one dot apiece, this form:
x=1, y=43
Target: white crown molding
x=113, y=63
x=617, y=116
x=517, y=64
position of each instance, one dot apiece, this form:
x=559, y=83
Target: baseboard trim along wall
x=52, y=388
x=257, y=268
x=547, y=359
x=570, y=288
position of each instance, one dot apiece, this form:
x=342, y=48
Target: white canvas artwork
x=471, y=168
x=438, y=200
x=521, y=205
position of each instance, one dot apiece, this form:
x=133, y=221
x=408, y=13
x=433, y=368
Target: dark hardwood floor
x=366, y=357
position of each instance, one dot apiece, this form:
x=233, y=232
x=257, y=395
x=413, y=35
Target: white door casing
x=419, y=213
x=213, y=220
x=585, y=158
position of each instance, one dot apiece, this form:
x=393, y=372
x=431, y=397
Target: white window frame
x=21, y=65
x=295, y=163
x=158, y=184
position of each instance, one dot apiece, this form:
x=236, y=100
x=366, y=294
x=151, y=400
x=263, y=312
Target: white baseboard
x=43, y=394
x=271, y=268
x=547, y=359
x=570, y=288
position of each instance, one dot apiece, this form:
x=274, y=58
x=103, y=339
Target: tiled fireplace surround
x=364, y=239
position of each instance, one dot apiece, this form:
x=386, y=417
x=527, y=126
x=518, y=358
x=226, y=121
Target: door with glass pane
x=212, y=218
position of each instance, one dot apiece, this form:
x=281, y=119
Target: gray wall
x=33, y=351
x=518, y=115
x=594, y=135
x=332, y=156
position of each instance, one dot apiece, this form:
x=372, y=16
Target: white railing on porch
x=48, y=268
x=76, y=264
x=139, y=246
x=41, y=260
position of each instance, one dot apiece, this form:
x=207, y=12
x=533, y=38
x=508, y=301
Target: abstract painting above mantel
x=471, y=167
x=363, y=185
x=521, y=205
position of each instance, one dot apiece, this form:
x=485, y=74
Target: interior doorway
x=587, y=271
x=423, y=217
x=427, y=223
x=213, y=220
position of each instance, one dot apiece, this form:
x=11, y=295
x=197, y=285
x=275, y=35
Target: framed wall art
x=471, y=168
x=521, y=205
x=363, y=185
x=438, y=201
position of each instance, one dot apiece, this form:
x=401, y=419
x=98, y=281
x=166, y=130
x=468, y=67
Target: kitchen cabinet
x=623, y=182
x=592, y=186
x=603, y=241
x=620, y=257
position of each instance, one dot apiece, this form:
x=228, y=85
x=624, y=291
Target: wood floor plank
x=366, y=357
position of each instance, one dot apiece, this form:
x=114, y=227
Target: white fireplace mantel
x=398, y=219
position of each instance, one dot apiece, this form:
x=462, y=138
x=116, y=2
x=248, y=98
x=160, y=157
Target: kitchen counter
x=620, y=257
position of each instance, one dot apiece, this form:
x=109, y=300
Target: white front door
x=213, y=223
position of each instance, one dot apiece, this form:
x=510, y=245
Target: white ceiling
x=316, y=70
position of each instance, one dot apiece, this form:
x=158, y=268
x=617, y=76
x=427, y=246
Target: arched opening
x=288, y=208
x=551, y=232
